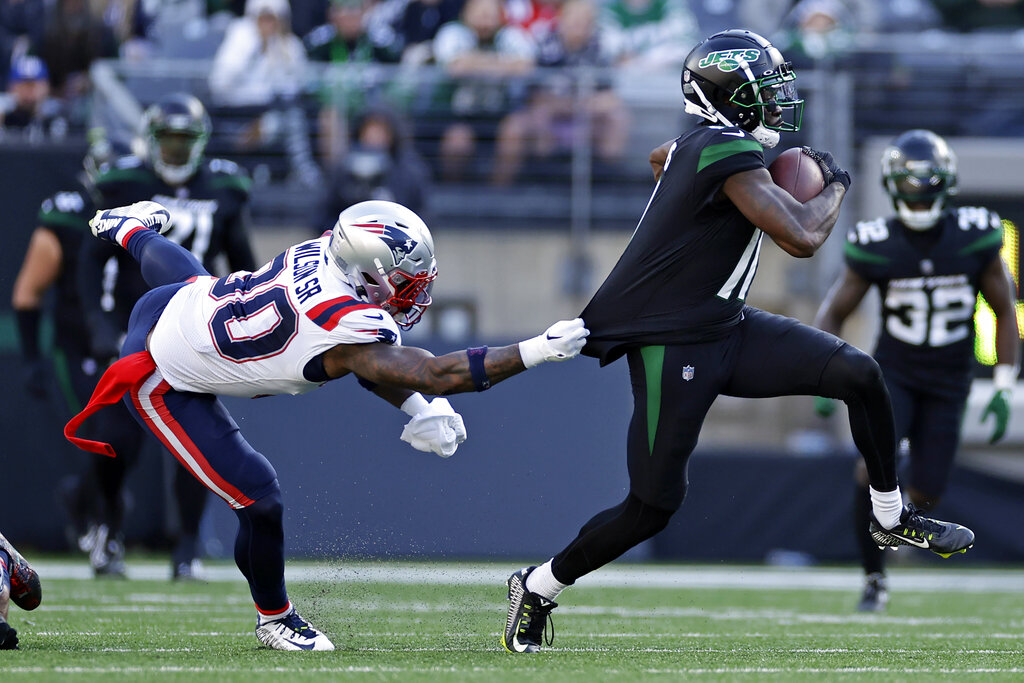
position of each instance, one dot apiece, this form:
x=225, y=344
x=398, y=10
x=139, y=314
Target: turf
x=430, y=622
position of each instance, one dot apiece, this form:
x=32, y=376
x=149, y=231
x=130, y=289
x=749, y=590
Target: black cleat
x=26, y=590
x=8, y=636
x=876, y=594
x=528, y=615
x=914, y=529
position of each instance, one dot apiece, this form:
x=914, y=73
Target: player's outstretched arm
x=474, y=369
x=800, y=229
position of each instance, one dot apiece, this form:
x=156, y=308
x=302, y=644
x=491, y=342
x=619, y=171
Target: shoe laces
x=921, y=523
x=296, y=623
x=538, y=616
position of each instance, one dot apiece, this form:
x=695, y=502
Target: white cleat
x=292, y=632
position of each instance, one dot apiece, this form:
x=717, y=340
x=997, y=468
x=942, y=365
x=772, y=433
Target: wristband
x=28, y=332
x=1004, y=377
x=414, y=405
x=477, y=370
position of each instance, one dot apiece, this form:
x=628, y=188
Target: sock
x=5, y=573
x=886, y=506
x=277, y=616
x=542, y=582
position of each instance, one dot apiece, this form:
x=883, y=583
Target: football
x=797, y=174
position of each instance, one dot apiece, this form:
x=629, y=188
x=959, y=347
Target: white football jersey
x=252, y=334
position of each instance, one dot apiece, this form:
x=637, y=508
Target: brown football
x=797, y=174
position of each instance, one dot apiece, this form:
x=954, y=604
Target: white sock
x=542, y=582
x=264, y=618
x=887, y=506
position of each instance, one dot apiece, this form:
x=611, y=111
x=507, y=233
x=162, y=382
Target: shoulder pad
x=977, y=218
x=228, y=174
x=127, y=168
x=866, y=232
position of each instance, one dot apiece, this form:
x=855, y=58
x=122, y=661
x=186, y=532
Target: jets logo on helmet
x=401, y=244
x=729, y=60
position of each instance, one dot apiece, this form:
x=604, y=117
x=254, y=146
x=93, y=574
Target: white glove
x=561, y=341
x=437, y=428
x=108, y=224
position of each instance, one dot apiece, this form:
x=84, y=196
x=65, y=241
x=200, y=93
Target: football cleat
x=107, y=555
x=876, y=594
x=188, y=571
x=26, y=590
x=292, y=632
x=8, y=636
x=117, y=225
x=528, y=615
x=914, y=529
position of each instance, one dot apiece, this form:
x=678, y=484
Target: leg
x=934, y=441
x=8, y=636
x=190, y=496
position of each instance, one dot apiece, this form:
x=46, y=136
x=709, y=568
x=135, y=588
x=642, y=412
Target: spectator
x=550, y=124
x=418, y=23
x=27, y=111
x=539, y=17
x=344, y=39
x=817, y=30
x=74, y=39
x=487, y=61
x=258, y=74
x=972, y=15
x=22, y=27
x=381, y=164
x=649, y=33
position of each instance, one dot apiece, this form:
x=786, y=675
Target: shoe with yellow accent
x=528, y=616
x=914, y=529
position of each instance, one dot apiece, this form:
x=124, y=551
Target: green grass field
x=440, y=622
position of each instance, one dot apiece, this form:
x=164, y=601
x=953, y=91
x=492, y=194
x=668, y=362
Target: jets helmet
x=386, y=252
x=919, y=173
x=737, y=78
x=175, y=130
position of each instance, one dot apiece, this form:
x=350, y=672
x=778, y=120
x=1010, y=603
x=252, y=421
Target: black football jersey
x=688, y=267
x=209, y=215
x=928, y=284
x=66, y=214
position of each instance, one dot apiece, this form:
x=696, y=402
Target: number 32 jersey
x=928, y=284
x=262, y=333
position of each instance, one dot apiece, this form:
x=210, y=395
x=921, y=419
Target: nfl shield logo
x=687, y=372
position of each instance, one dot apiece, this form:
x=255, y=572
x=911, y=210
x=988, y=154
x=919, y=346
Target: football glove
x=824, y=407
x=561, y=341
x=114, y=225
x=999, y=407
x=829, y=168
x=437, y=428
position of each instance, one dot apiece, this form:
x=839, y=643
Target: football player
x=323, y=309
x=208, y=202
x=20, y=584
x=674, y=306
x=929, y=261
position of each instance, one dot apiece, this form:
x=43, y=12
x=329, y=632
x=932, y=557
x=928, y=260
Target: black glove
x=829, y=168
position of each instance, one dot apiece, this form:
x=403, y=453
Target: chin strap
x=919, y=220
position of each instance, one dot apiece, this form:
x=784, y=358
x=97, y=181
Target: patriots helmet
x=737, y=78
x=919, y=174
x=385, y=250
x=176, y=129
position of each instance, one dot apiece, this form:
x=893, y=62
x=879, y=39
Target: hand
x=561, y=341
x=999, y=406
x=437, y=428
x=107, y=223
x=829, y=168
x=824, y=407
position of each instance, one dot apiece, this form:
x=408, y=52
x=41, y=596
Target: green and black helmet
x=737, y=78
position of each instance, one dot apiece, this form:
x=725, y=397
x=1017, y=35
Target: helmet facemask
x=176, y=131
x=919, y=186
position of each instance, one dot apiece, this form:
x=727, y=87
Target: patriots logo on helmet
x=398, y=241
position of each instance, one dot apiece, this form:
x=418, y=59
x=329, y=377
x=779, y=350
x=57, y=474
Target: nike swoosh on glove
x=561, y=341
x=436, y=429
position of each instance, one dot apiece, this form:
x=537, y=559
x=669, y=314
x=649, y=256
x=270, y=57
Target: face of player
x=176, y=147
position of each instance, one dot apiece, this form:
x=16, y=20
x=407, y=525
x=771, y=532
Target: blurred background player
x=929, y=261
x=19, y=583
x=51, y=264
x=208, y=201
x=337, y=304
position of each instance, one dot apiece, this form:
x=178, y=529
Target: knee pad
x=851, y=374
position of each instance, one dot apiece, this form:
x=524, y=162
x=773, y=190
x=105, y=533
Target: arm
x=237, y=248
x=998, y=290
x=103, y=335
x=844, y=297
x=39, y=270
x=658, y=157
x=800, y=229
